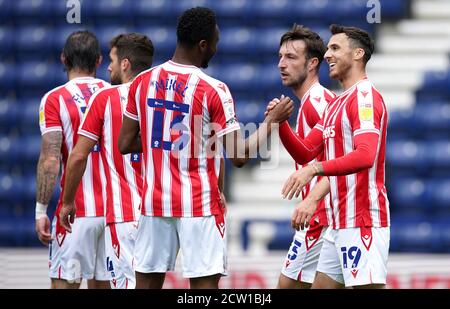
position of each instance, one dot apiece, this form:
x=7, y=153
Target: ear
x=125, y=65
x=358, y=53
x=63, y=59
x=203, y=45
x=99, y=61
x=313, y=64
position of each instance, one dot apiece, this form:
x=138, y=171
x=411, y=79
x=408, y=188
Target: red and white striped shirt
x=62, y=110
x=180, y=110
x=311, y=110
x=102, y=122
x=358, y=199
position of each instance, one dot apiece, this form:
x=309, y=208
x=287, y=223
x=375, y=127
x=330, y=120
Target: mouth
x=332, y=65
x=284, y=75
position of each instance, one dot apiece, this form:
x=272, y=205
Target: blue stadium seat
x=440, y=193
x=151, y=12
x=433, y=116
x=237, y=40
x=268, y=40
x=6, y=40
x=7, y=75
x=407, y=154
x=439, y=154
x=240, y=76
x=35, y=39
x=11, y=189
x=250, y=111
x=400, y=119
x=163, y=38
x=409, y=194
x=37, y=74
x=8, y=114
x=111, y=8
x=444, y=225
x=5, y=10
x=436, y=81
x=32, y=8
x=274, y=8
x=415, y=235
x=105, y=34
x=232, y=8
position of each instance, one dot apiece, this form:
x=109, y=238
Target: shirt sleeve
x=222, y=111
x=366, y=111
x=302, y=150
x=94, y=116
x=49, y=116
x=131, y=111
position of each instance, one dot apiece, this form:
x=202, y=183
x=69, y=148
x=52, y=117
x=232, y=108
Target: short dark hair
x=358, y=39
x=81, y=51
x=315, y=47
x=196, y=24
x=135, y=47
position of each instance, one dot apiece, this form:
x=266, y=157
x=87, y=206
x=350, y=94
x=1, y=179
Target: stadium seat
x=32, y=8
x=434, y=117
x=11, y=189
x=7, y=75
x=110, y=8
x=250, y=112
x=6, y=40
x=415, y=235
x=233, y=8
x=152, y=12
x=241, y=76
x=33, y=39
x=8, y=115
x=163, y=38
x=105, y=34
x=439, y=154
x=36, y=74
x=400, y=119
x=407, y=154
x=5, y=10
x=440, y=193
x=237, y=40
x=409, y=194
x=274, y=8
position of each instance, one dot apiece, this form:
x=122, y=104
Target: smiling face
x=339, y=56
x=293, y=63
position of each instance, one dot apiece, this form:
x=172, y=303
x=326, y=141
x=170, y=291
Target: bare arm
x=304, y=211
x=48, y=166
x=47, y=173
x=221, y=183
x=76, y=165
x=240, y=150
x=129, y=139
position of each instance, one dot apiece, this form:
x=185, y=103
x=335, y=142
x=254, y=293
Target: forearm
x=47, y=174
x=301, y=150
x=363, y=157
x=76, y=166
x=320, y=190
x=250, y=147
x=221, y=180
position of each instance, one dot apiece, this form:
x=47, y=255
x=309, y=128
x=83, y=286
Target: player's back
x=123, y=185
x=62, y=110
x=181, y=110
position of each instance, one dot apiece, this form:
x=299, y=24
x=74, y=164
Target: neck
x=183, y=55
x=353, y=76
x=72, y=74
x=127, y=79
x=305, y=86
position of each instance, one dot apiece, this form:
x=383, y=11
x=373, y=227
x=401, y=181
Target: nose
x=281, y=63
x=327, y=55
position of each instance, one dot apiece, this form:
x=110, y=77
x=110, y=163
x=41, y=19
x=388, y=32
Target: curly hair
x=196, y=24
x=358, y=39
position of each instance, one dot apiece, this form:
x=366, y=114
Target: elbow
x=123, y=147
x=76, y=158
x=239, y=162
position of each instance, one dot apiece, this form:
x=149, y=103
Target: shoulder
x=215, y=86
x=366, y=92
x=53, y=94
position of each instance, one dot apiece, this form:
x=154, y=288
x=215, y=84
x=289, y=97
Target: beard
x=115, y=79
x=297, y=81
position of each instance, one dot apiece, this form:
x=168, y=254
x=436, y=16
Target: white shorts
x=301, y=260
x=202, y=241
x=120, y=240
x=355, y=256
x=80, y=254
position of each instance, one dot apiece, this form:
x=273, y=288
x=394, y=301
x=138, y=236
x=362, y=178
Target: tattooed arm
x=47, y=173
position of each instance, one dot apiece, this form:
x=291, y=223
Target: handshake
x=279, y=110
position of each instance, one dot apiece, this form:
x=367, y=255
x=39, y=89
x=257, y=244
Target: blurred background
x=410, y=68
